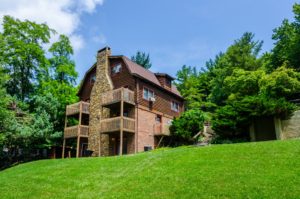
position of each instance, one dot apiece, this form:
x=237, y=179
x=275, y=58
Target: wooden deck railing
x=117, y=95
x=161, y=129
x=74, y=131
x=114, y=124
x=75, y=108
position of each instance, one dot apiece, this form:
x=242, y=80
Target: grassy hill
x=252, y=170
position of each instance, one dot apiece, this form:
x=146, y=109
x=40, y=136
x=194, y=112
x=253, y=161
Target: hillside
x=252, y=170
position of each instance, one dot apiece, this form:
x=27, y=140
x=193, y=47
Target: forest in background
x=242, y=85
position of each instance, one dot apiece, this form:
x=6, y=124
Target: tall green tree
x=287, y=42
x=142, y=59
x=193, y=86
x=62, y=78
x=243, y=54
x=63, y=68
x=23, y=55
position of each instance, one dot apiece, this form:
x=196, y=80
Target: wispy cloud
x=100, y=39
x=61, y=15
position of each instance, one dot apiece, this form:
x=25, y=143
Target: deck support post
x=63, y=149
x=121, y=122
x=77, y=147
x=64, y=142
x=78, y=132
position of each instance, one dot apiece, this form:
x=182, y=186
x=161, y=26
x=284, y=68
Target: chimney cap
x=103, y=49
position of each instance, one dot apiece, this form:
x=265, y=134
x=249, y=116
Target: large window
x=116, y=69
x=174, y=106
x=147, y=93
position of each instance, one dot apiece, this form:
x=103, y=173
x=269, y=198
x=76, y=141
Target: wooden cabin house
x=123, y=109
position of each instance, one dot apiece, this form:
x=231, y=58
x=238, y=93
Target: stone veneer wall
x=102, y=84
x=291, y=128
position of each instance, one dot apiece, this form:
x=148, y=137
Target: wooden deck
x=115, y=124
x=117, y=95
x=76, y=131
x=75, y=108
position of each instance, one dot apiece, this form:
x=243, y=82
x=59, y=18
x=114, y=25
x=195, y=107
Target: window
x=116, y=69
x=168, y=82
x=174, y=106
x=158, y=118
x=93, y=78
x=147, y=94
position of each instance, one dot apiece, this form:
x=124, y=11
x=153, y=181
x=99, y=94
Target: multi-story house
x=123, y=109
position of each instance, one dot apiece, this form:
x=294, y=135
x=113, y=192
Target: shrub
x=188, y=124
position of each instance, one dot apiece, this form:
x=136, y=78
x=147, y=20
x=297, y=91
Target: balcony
x=161, y=129
x=75, y=131
x=117, y=95
x=114, y=125
x=78, y=107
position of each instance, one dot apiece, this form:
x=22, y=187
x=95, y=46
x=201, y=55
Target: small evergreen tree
x=142, y=59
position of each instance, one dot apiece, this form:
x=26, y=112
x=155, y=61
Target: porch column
x=78, y=131
x=121, y=122
x=64, y=142
x=63, y=149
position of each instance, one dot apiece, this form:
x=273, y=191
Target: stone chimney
x=102, y=84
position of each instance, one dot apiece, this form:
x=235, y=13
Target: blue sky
x=173, y=32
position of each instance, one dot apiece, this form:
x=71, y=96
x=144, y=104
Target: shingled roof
x=139, y=72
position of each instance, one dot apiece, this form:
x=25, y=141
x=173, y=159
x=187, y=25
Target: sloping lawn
x=252, y=170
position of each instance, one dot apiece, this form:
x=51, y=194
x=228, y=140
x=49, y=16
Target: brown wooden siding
x=163, y=82
x=124, y=78
x=162, y=102
x=87, y=86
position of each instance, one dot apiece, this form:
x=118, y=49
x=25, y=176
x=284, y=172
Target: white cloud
x=101, y=39
x=61, y=15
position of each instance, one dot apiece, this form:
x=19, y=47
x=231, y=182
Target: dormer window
x=93, y=78
x=116, y=69
x=168, y=82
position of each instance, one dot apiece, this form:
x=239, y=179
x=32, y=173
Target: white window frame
x=116, y=69
x=175, y=106
x=147, y=91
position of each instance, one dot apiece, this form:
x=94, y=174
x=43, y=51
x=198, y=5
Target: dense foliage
x=241, y=85
x=142, y=59
x=35, y=86
x=188, y=124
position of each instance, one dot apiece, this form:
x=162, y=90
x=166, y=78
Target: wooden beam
x=64, y=141
x=63, y=149
x=77, y=147
x=78, y=135
x=100, y=130
x=121, y=122
x=162, y=137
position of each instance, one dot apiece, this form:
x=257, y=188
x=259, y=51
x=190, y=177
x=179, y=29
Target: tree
x=238, y=87
x=22, y=54
x=243, y=54
x=45, y=115
x=287, y=42
x=188, y=124
x=61, y=80
x=193, y=86
x=63, y=68
x=142, y=59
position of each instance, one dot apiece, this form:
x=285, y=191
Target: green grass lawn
x=252, y=170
